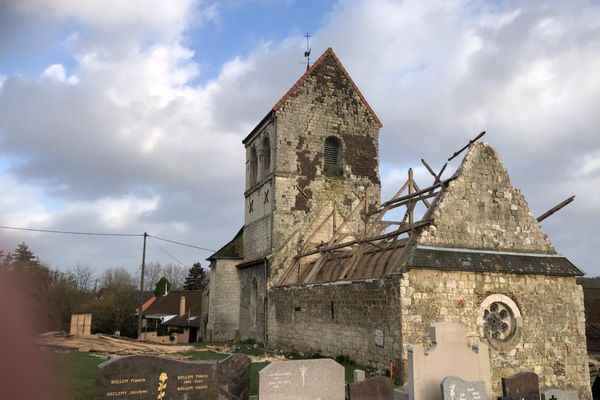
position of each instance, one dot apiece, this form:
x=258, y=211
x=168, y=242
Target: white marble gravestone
x=321, y=379
x=450, y=355
x=454, y=388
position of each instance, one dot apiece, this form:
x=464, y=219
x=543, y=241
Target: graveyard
x=77, y=360
x=450, y=370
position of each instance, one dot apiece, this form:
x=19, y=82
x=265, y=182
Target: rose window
x=498, y=321
x=501, y=321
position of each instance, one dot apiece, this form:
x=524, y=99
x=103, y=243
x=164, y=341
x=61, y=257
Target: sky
x=127, y=117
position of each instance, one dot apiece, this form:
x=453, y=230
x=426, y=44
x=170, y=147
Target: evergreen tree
x=162, y=287
x=24, y=257
x=196, y=279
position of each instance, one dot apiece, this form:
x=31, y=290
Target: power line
x=71, y=232
x=166, y=252
x=182, y=244
x=104, y=234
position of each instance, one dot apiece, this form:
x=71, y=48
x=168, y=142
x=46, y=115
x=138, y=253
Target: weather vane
x=307, y=52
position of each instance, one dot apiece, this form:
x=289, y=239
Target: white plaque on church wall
x=379, y=338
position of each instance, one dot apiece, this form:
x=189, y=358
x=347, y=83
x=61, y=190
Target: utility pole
x=142, y=289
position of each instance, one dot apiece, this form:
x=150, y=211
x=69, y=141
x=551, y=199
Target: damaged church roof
x=476, y=222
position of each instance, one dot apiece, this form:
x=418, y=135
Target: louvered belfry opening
x=266, y=156
x=333, y=158
x=253, y=167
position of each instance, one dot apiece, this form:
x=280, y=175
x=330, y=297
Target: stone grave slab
x=378, y=388
x=524, y=385
x=150, y=377
x=320, y=379
x=450, y=355
x=454, y=388
x=556, y=394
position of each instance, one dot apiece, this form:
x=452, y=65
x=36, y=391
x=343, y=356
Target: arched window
x=253, y=166
x=254, y=302
x=266, y=156
x=333, y=157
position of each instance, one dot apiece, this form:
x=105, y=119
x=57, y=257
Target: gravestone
x=454, y=388
x=450, y=355
x=150, y=377
x=358, y=375
x=555, y=394
x=524, y=385
x=321, y=379
x=378, y=388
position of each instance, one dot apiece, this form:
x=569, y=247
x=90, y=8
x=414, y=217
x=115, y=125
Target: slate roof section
x=232, y=250
x=489, y=261
x=169, y=304
x=328, y=53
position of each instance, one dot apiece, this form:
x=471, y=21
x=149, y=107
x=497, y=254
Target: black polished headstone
x=524, y=385
x=157, y=378
x=378, y=388
x=454, y=388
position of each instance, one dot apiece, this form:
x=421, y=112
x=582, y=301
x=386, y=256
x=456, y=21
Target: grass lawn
x=77, y=372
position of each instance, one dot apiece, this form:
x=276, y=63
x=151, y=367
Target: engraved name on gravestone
x=150, y=377
x=524, y=385
x=555, y=394
x=378, y=388
x=321, y=379
x=454, y=388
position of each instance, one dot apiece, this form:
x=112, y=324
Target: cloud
x=125, y=137
x=57, y=73
x=135, y=17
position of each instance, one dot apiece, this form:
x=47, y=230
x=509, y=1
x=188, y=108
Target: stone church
x=318, y=267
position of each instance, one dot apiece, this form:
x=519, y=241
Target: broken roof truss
x=378, y=247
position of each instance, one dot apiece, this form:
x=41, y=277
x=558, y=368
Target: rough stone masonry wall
x=258, y=196
x=224, y=300
x=552, y=342
x=324, y=105
x=482, y=210
x=303, y=320
x=252, y=302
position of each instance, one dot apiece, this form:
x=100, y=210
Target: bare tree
x=84, y=277
x=117, y=278
x=152, y=274
x=175, y=274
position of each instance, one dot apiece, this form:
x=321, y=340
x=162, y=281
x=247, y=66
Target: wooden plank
x=397, y=232
x=416, y=194
x=555, y=209
x=467, y=146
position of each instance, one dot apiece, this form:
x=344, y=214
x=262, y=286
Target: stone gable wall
x=552, y=340
x=302, y=320
x=482, y=210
